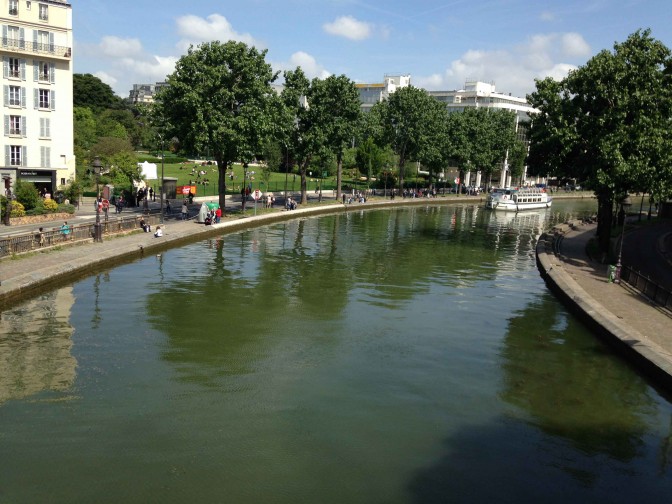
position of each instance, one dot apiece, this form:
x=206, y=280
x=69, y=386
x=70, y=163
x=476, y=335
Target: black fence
x=654, y=291
x=55, y=236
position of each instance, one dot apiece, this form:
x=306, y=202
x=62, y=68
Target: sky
x=441, y=44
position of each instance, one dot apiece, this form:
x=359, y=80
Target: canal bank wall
x=623, y=318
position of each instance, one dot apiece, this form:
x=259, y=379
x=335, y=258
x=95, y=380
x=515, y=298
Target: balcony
x=24, y=46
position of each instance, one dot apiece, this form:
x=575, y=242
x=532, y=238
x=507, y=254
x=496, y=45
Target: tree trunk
x=339, y=175
x=304, y=191
x=402, y=162
x=605, y=203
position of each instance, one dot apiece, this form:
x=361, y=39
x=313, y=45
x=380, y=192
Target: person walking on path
x=65, y=230
x=185, y=210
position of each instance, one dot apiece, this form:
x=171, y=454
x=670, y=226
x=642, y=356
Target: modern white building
x=370, y=94
x=37, y=70
x=483, y=94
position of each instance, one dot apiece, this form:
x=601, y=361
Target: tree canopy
x=608, y=124
x=218, y=99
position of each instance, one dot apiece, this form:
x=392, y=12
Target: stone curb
x=648, y=356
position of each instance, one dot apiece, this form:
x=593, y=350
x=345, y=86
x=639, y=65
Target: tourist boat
x=517, y=199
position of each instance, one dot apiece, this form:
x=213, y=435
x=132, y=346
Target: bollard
x=612, y=273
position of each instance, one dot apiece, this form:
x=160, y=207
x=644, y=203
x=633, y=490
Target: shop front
x=44, y=180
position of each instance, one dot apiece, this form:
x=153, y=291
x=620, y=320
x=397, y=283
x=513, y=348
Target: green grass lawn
x=183, y=173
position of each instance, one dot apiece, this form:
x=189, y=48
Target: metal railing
x=36, y=47
x=654, y=291
x=53, y=237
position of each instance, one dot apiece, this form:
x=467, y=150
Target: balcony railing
x=37, y=48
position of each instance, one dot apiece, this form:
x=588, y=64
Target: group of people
x=213, y=216
x=147, y=228
x=145, y=193
x=290, y=204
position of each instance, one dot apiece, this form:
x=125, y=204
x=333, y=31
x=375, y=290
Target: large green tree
x=608, y=123
x=334, y=106
x=89, y=91
x=218, y=98
x=406, y=117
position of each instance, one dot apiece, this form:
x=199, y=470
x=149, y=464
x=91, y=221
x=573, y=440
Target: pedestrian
x=218, y=215
x=185, y=210
x=151, y=194
x=159, y=232
x=65, y=230
x=168, y=209
x=40, y=237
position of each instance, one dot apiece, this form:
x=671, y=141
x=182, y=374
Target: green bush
x=66, y=208
x=27, y=194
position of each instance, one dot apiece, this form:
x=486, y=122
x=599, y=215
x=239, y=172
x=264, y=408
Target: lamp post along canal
x=97, y=167
x=625, y=205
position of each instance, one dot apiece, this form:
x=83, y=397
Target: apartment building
x=36, y=50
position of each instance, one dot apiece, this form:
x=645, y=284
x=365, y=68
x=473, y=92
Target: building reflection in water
x=35, y=346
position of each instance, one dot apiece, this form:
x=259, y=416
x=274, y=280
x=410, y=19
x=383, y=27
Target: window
x=45, y=157
x=43, y=98
x=13, y=7
x=15, y=155
x=43, y=71
x=14, y=96
x=14, y=125
x=27, y=4
x=14, y=68
x=44, y=12
x=45, y=127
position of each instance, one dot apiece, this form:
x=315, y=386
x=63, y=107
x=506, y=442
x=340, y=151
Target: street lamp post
x=625, y=205
x=8, y=192
x=161, y=189
x=97, y=229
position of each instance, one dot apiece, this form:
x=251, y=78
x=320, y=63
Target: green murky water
x=406, y=356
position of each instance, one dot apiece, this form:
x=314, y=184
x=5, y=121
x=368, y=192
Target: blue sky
x=440, y=44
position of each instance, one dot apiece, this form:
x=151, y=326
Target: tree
x=89, y=91
x=218, y=98
x=433, y=150
x=607, y=123
x=334, y=106
x=405, y=124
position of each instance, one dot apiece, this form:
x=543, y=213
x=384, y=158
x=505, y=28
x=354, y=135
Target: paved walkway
x=638, y=327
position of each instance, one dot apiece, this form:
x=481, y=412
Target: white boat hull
x=517, y=200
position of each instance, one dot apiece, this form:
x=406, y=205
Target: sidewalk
x=623, y=316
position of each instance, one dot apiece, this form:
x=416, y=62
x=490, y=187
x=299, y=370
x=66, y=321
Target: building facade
x=370, y=94
x=144, y=93
x=36, y=50
x=483, y=94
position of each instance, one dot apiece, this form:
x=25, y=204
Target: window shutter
x=48, y=165
x=22, y=38
x=24, y=156
x=4, y=36
x=47, y=127
x=7, y=159
x=24, y=126
x=5, y=67
x=36, y=95
x=53, y=100
x=23, y=97
x=6, y=125
x=5, y=92
x=52, y=72
x=22, y=63
x=51, y=42
x=35, y=46
x=36, y=68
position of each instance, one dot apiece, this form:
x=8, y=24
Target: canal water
x=393, y=356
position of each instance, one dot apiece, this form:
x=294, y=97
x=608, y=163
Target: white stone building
x=370, y=94
x=36, y=49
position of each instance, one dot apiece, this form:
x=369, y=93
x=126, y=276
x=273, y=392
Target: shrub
x=50, y=206
x=27, y=194
x=66, y=208
x=18, y=210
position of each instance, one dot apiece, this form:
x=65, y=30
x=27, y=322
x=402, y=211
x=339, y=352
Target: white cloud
x=308, y=64
x=349, y=27
x=115, y=47
x=513, y=70
x=195, y=29
x=106, y=78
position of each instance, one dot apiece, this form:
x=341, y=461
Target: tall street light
x=625, y=205
x=97, y=229
x=161, y=189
